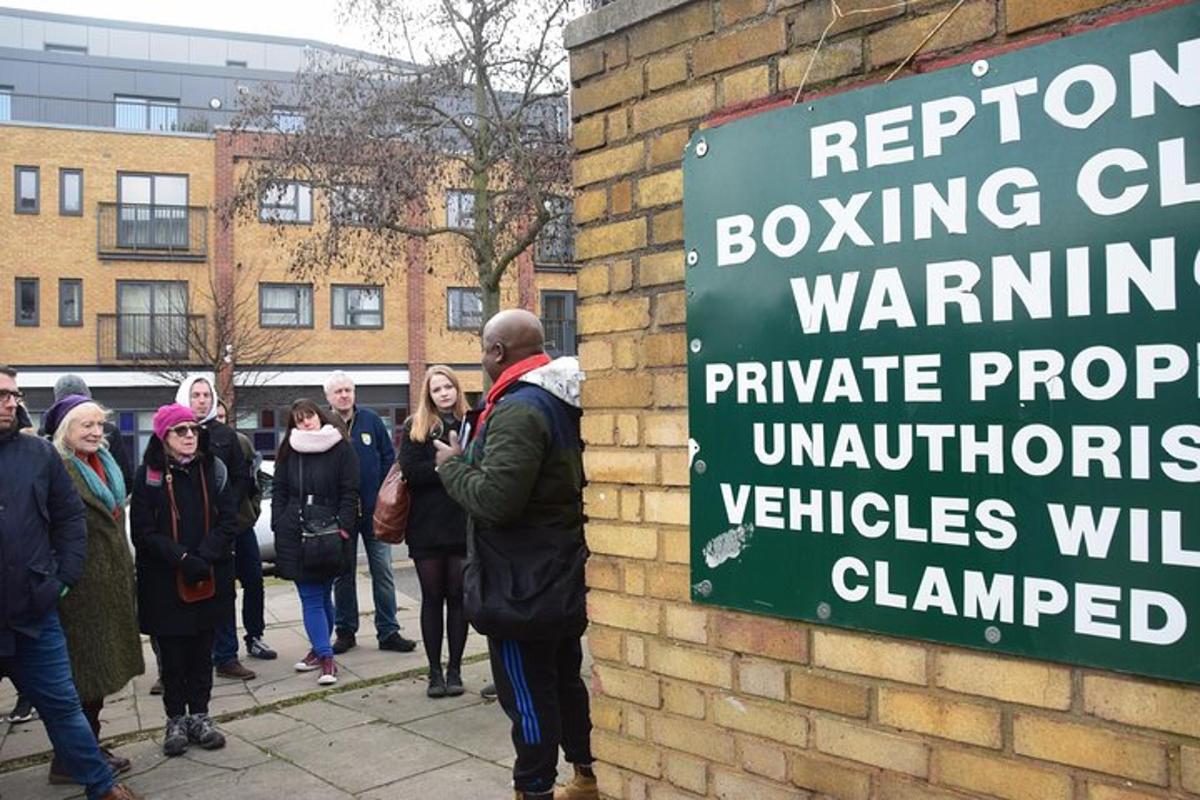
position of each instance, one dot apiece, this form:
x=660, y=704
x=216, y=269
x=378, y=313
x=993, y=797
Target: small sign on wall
x=944, y=353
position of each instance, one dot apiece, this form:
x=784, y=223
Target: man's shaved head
x=509, y=337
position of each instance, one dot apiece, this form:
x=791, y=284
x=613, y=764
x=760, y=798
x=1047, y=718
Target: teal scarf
x=111, y=494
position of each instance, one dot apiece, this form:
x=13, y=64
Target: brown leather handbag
x=207, y=588
x=391, y=508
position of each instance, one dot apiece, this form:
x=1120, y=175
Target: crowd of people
x=495, y=530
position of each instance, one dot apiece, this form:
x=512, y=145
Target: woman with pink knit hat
x=183, y=519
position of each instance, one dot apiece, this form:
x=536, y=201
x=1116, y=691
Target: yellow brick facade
x=695, y=701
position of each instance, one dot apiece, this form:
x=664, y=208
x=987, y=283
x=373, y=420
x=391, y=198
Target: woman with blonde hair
x=98, y=615
x=437, y=527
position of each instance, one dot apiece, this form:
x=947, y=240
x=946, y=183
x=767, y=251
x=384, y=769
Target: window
x=70, y=302
x=152, y=210
x=287, y=119
x=350, y=205
x=556, y=242
x=5, y=103
x=460, y=209
x=357, y=306
x=285, y=305
x=466, y=309
x=70, y=192
x=558, y=319
x=152, y=318
x=286, y=202
x=146, y=113
x=229, y=62
x=28, y=194
x=27, y=302
x=79, y=50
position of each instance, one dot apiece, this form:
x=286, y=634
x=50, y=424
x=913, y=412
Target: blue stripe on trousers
x=516, y=672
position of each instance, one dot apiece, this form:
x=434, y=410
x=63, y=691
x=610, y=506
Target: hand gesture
x=447, y=451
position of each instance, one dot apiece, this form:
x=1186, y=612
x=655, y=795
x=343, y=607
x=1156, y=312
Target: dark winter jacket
x=43, y=540
x=120, y=453
x=222, y=442
x=376, y=455
x=331, y=478
x=160, y=610
x=521, y=482
x=434, y=520
x=98, y=616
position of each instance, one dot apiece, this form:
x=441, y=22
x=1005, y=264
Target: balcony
x=151, y=339
x=144, y=232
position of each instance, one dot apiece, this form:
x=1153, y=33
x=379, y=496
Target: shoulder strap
x=300, y=465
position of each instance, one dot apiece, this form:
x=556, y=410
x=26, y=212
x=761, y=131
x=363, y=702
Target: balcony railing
x=145, y=232
x=560, y=336
x=170, y=339
x=112, y=113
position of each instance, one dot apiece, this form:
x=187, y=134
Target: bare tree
x=465, y=110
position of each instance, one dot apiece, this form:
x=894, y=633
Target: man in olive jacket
x=521, y=482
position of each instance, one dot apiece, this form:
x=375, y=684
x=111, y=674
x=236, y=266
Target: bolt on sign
x=944, y=353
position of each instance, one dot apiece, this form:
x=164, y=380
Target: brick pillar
x=222, y=253
x=526, y=291
x=415, y=284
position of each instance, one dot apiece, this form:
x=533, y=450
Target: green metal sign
x=944, y=360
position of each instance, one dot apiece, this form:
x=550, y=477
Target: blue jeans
x=383, y=585
x=316, y=606
x=42, y=672
x=247, y=564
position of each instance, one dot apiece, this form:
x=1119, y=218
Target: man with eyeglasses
x=43, y=542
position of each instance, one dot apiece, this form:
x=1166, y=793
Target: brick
x=590, y=205
x=626, y=541
x=610, y=90
x=829, y=778
x=848, y=652
x=628, y=753
x=834, y=61
x=1007, y=679
x=629, y=313
x=605, y=712
x=687, y=772
x=667, y=109
x=670, y=582
x=620, y=198
x=595, y=355
x=896, y=787
x=632, y=685
x=603, y=574
x=676, y=546
x=615, y=466
x=635, y=614
x=762, y=679
x=701, y=666
x=665, y=430
x=737, y=10
x=1024, y=14
x=598, y=428
x=667, y=226
x=972, y=22
x=625, y=352
x=1189, y=758
x=660, y=189
x=668, y=508
x=616, y=237
x=1100, y=791
x=762, y=759
x=939, y=716
x=593, y=280
x=1144, y=704
x=662, y=71
x=634, y=577
x=1090, y=748
x=686, y=624
x=664, y=349
x=1001, y=777
x=728, y=785
x=670, y=308
x=871, y=747
x=635, y=724
x=628, y=432
x=622, y=275
x=663, y=792
x=658, y=268
x=600, y=502
x=618, y=124
x=692, y=736
x=586, y=62
x=813, y=18
x=748, y=84
x=616, y=51
x=667, y=148
x=679, y=698
x=749, y=44
x=609, y=780
x=688, y=23
x=608, y=163
x=604, y=643
x=588, y=134
x=617, y=391
x=635, y=651
x=807, y=688
x=675, y=470
x=742, y=633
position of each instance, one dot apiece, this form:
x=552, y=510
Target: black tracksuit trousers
x=540, y=689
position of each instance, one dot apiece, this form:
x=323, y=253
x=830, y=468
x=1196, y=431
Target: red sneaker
x=310, y=662
x=329, y=671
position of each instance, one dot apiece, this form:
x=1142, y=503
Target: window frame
x=37, y=302
x=6, y=98
x=339, y=216
x=147, y=103
x=450, y=293
x=333, y=301
x=286, y=112
x=450, y=223
x=77, y=285
x=122, y=284
x=37, y=189
x=262, y=310
x=565, y=218
x=262, y=205
x=58, y=47
x=63, y=172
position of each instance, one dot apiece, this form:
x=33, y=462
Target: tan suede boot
x=580, y=787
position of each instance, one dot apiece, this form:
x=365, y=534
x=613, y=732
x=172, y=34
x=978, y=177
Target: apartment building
x=115, y=150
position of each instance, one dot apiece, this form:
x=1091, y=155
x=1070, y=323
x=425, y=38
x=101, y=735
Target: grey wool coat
x=98, y=614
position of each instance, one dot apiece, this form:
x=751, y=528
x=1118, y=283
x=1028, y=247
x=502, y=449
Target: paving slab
x=327, y=717
x=481, y=732
x=462, y=780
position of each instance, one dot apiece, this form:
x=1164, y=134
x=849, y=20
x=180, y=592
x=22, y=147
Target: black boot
x=454, y=684
x=437, y=683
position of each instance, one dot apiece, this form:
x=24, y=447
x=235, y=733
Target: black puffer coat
x=435, y=522
x=160, y=611
x=331, y=478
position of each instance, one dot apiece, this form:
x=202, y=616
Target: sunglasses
x=186, y=430
x=6, y=395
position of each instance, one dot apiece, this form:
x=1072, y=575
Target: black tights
x=442, y=584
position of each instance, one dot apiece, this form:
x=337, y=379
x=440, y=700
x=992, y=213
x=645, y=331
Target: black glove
x=194, y=568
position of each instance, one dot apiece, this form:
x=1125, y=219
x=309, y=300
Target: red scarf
x=507, y=379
